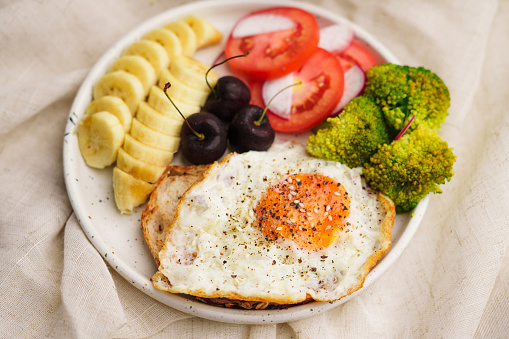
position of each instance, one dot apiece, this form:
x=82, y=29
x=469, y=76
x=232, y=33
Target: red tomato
x=322, y=86
x=345, y=62
x=361, y=55
x=275, y=54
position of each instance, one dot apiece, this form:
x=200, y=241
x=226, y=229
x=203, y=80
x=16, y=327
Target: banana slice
x=153, y=138
x=186, y=36
x=181, y=91
x=168, y=39
x=192, y=72
x=206, y=34
x=100, y=136
x=139, y=67
x=158, y=100
x=157, y=121
x=115, y=106
x=145, y=153
x=152, y=51
x=138, y=169
x=123, y=85
x=129, y=191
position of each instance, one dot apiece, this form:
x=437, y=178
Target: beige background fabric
x=452, y=281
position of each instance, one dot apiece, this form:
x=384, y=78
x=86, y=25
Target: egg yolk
x=309, y=209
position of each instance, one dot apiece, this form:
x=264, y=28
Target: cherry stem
x=200, y=136
x=259, y=121
x=404, y=128
x=222, y=62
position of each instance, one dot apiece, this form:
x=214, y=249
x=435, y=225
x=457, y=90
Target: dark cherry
x=247, y=132
x=228, y=96
x=211, y=142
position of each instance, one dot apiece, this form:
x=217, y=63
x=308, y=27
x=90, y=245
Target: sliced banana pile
x=131, y=121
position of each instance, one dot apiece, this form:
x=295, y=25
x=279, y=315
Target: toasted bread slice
x=159, y=213
x=163, y=202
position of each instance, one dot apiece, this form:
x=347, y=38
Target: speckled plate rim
x=142, y=282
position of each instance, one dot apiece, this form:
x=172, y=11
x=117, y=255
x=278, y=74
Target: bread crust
x=162, y=205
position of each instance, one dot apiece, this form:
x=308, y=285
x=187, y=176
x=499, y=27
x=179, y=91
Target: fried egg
x=278, y=227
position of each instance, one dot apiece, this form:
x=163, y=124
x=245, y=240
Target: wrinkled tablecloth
x=450, y=282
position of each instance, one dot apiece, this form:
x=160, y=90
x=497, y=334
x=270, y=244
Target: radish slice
x=400, y=134
x=262, y=23
x=282, y=103
x=355, y=80
x=219, y=58
x=336, y=38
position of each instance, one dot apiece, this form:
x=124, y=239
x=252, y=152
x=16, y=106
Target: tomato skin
x=273, y=55
x=322, y=87
x=361, y=55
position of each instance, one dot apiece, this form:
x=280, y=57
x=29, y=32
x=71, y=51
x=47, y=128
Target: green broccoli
x=403, y=91
x=409, y=168
x=353, y=136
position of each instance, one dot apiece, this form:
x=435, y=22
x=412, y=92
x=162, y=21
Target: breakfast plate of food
x=253, y=162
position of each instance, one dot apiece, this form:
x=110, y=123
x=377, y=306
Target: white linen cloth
x=452, y=281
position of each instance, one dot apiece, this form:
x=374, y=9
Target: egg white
x=215, y=249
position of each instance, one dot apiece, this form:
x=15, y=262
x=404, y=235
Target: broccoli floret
x=353, y=136
x=403, y=91
x=409, y=168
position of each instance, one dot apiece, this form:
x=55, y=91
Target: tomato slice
x=360, y=54
x=274, y=54
x=322, y=87
x=346, y=62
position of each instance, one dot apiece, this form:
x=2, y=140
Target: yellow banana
x=145, y=153
x=100, y=136
x=152, y=138
x=185, y=34
x=123, y=85
x=157, y=121
x=138, y=169
x=192, y=72
x=129, y=191
x=152, y=51
x=139, y=67
x=206, y=34
x=115, y=106
x=158, y=100
x=180, y=91
x=168, y=39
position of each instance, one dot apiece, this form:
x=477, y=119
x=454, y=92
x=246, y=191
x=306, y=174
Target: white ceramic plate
x=119, y=238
